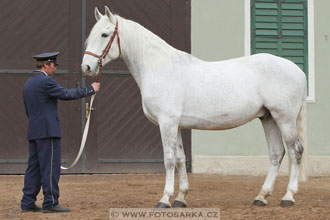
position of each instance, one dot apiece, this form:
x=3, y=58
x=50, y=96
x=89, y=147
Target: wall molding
x=253, y=165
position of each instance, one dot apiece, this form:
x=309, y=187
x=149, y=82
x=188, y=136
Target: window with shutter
x=280, y=27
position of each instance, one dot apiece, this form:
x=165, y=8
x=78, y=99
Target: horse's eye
x=105, y=35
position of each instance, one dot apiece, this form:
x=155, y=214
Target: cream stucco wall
x=218, y=33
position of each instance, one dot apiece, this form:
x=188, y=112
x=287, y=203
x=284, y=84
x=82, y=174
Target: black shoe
x=56, y=208
x=34, y=208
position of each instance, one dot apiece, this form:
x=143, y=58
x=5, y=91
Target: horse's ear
x=110, y=15
x=98, y=15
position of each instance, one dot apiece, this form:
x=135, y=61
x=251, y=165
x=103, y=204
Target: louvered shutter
x=279, y=27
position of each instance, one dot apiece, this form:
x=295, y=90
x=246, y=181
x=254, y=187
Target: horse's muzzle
x=87, y=70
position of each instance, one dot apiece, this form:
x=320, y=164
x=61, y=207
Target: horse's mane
x=147, y=46
x=143, y=33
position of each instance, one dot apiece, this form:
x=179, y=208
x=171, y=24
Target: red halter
x=106, y=51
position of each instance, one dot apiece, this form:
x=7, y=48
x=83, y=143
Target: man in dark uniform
x=40, y=94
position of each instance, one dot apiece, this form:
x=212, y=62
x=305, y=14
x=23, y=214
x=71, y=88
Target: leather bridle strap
x=92, y=54
x=107, y=48
x=106, y=51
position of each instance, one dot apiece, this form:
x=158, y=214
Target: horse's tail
x=302, y=132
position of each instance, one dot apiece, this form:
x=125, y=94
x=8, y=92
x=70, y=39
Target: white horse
x=181, y=91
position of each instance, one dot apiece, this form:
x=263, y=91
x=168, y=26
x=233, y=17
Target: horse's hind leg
x=182, y=172
x=276, y=153
x=295, y=150
x=169, y=133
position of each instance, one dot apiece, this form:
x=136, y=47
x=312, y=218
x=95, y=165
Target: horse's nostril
x=88, y=68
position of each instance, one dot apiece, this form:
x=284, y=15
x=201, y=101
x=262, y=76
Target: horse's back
x=276, y=67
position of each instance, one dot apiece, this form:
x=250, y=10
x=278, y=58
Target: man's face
x=50, y=69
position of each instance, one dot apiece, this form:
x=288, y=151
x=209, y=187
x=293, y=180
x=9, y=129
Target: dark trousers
x=44, y=167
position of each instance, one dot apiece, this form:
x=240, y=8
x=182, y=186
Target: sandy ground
x=91, y=196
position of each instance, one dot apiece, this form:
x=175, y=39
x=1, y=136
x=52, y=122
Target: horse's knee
x=169, y=163
x=180, y=160
x=169, y=157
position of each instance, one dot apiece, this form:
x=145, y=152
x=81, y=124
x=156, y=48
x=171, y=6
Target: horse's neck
x=143, y=51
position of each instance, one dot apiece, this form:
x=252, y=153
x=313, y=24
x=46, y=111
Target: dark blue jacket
x=40, y=94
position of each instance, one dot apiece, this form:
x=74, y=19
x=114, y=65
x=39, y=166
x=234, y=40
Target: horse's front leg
x=169, y=133
x=182, y=172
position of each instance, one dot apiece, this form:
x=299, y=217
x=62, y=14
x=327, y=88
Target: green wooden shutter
x=279, y=27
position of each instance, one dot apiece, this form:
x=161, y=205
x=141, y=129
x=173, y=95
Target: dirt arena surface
x=91, y=196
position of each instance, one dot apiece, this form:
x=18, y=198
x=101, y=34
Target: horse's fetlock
x=184, y=188
x=293, y=188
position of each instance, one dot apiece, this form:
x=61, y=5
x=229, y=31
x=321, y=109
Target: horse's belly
x=219, y=122
x=209, y=123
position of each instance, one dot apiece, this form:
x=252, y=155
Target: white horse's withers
x=181, y=91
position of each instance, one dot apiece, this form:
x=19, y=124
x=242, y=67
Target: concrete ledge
x=253, y=165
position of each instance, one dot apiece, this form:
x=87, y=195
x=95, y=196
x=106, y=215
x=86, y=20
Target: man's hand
x=96, y=86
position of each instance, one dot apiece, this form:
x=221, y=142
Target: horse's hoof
x=287, y=203
x=179, y=204
x=161, y=205
x=259, y=203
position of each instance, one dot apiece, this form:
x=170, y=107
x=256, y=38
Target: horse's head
x=102, y=44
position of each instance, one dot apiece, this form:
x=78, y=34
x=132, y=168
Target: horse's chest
x=148, y=114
